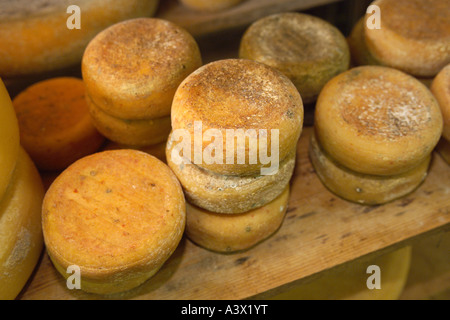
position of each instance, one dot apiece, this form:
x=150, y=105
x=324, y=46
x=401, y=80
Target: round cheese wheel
x=440, y=87
x=35, y=37
x=363, y=188
x=359, y=52
x=135, y=133
x=307, y=49
x=414, y=35
x=21, y=239
x=117, y=215
x=231, y=233
x=55, y=126
x=229, y=194
x=133, y=68
x=377, y=120
x=210, y=5
x=349, y=281
x=237, y=97
x=9, y=139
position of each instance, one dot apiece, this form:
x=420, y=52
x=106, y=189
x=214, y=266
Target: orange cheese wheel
x=21, y=240
x=308, y=50
x=55, y=126
x=377, y=120
x=133, y=68
x=232, y=96
x=35, y=37
x=9, y=139
x=118, y=215
x=231, y=233
x=414, y=35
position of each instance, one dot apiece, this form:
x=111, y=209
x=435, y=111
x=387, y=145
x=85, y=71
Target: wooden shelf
x=320, y=231
x=205, y=23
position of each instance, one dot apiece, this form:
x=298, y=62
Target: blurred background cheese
x=54, y=122
x=349, y=281
x=308, y=50
x=9, y=139
x=21, y=240
x=414, y=36
x=36, y=42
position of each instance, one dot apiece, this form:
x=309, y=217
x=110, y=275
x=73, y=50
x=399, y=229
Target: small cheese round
x=55, y=126
x=377, y=120
x=20, y=227
x=135, y=133
x=229, y=96
x=36, y=39
x=210, y=5
x=231, y=233
x=10, y=139
x=117, y=215
x=225, y=193
x=364, y=188
x=133, y=68
x=440, y=87
x=414, y=35
x=307, y=49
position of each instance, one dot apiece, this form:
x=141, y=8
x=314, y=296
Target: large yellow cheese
x=21, y=238
x=349, y=282
x=9, y=139
x=35, y=37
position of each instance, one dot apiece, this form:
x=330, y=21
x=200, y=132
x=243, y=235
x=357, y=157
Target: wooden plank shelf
x=320, y=231
x=206, y=23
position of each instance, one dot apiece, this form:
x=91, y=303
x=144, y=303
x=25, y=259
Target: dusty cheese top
x=383, y=103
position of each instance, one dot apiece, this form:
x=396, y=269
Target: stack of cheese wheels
x=131, y=71
x=55, y=126
x=21, y=194
x=307, y=49
x=37, y=38
x=440, y=87
x=413, y=36
x=210, y=5
x=375, y=130
x=227, y=117
x=117, y=215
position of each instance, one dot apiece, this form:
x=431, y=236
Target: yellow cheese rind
x=349, y=282
x=9, y=139
x=377, y=120
x=414, y=35
x=229, y=194
x=118, y=215
x=135, y=133
x=231, y=233
x=21, y=240
x=363, y=188
x=308, y=50
x=35, y=38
